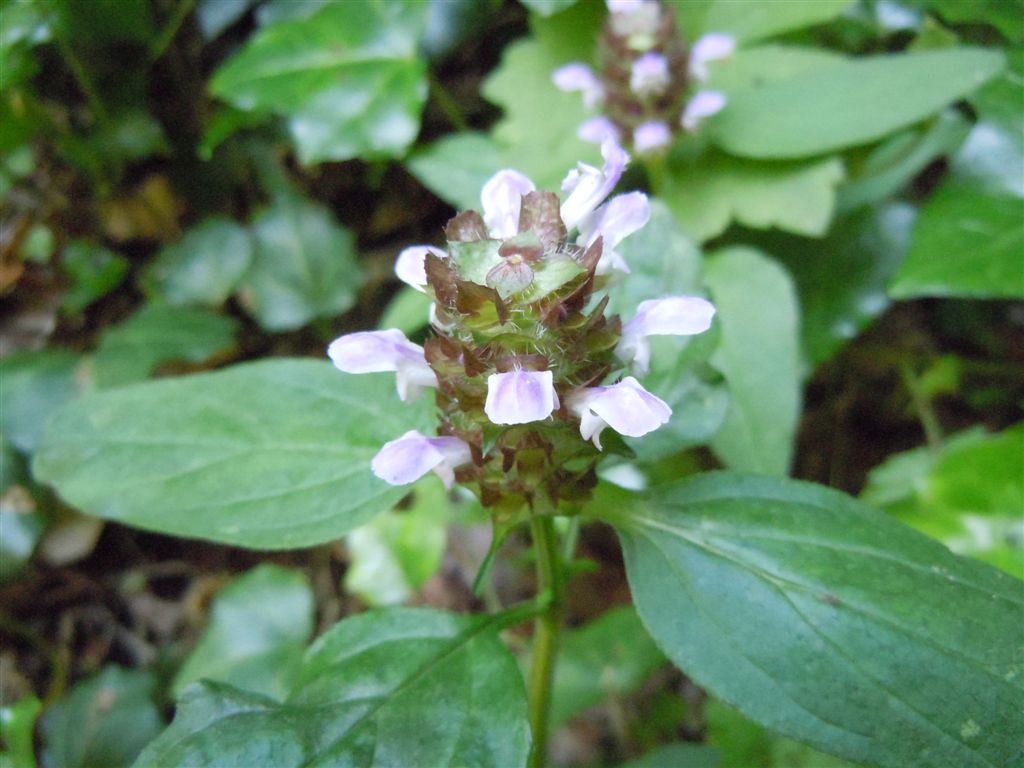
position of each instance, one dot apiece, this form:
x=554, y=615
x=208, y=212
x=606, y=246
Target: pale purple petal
x=598, y=130
x=410, y=267
x=502, y=197
x=651, y=137
x=624, y=6
x=615, y=220
x=703, y=105
x=672, y=316
x=411, y=456
x=519, y=397
x=588, y=187
x=626, y=407
x=637, y=20
x=579, y=77
x=649, y=75
x=710, y=47
x=380, y=351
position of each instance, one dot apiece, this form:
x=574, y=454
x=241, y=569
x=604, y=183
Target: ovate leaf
x=304, y=265
x=753, y=19
x=205, y=266
x=93, y=271
x=828, y=621
x=268, y=455
x=848, y=104
x=258, y=628
x=709, y=191
x=401, y=686
x=759, y=355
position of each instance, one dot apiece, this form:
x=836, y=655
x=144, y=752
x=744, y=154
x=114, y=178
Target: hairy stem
x=547, y=628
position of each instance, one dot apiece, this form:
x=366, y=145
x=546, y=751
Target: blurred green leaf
x=755, y=19
x=94, y=271
x=969, y=495
x=35, y=384
x=402, y=686
x=678, y=756
x=759, y=355
x=257, y=633
x=537, y=134
x=17, y=726
x=347, y=76
x=1004, y=15
x=132, y=135
x=610, y=656
x=848, y=104
x=204, y=267
x=761, y=64
x=304, y=265
x=157, y=334
x=967, y=242
x=896, y=161
x=548, y=7
x=23, y=26
x=841, y=279
x=215, y=16
x=103, y=22
x=394, y=554
x=220, y=455
x=708, y=191
x=21, y=525
x=456, y=167
x=827, y=620
x=407, y=311
x=103, y=722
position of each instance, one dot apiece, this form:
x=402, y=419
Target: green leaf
x=304, y=265
x=105, y=720
x=610, y=656
x=1004, y=15
x=708, y=191
x=17, y=725
x=204, y=267
x=35, y=384
x=842, y=278
x=401, y=686
x=828, y=621
x=537, y=134
x=896, y=161
x=848, y=104
x=548, y=7
x=677, y=756
x=394, y=554
x=157, y=334
x=21, y=526
x=456, y=167
x=759, y=356
x=754, y=19
x=347, y=75
x=94, y=271
x=967, y=242
x=269, y=455
x=968, y=495
x=753, y=67
x=408, y=311
x=257, y=632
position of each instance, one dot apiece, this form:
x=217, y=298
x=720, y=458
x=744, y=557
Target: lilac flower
x=635, y=19
x=502, y=197
x=587, y=186
x=702, y=106
x=651, y=137
x=411, y=456
x=519, y=397
x=673, y=316
x=579, y=77
x=614, y=221
x=626, y=407
x=711, y=47
x=377, y=351
x=649, y=75
x=598, y=130
x=410, y=265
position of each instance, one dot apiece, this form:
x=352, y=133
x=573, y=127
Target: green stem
x=547, y=628
x=447, y=104
x=170, y=31
x=923, y=407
